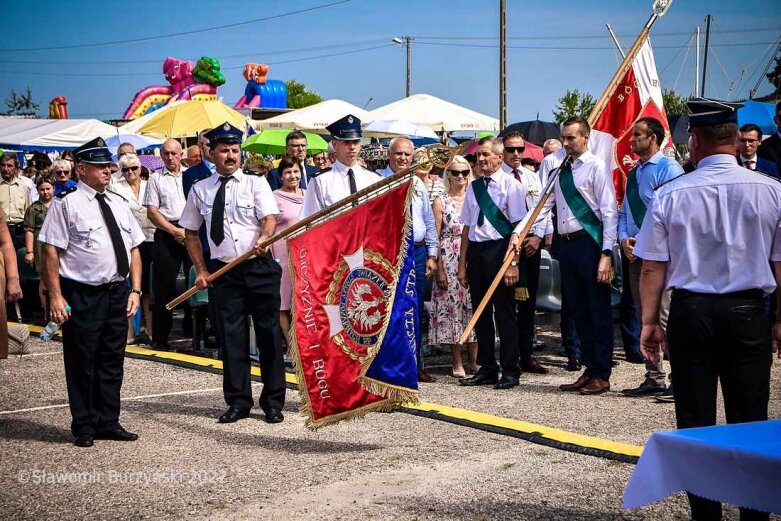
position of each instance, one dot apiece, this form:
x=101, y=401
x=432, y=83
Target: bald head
x=172, y=155
x=400, y=153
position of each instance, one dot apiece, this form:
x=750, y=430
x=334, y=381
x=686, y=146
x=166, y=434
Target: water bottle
x=51, y=328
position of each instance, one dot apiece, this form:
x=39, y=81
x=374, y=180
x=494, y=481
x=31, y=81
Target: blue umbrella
x=139, y=142
x=760, y=114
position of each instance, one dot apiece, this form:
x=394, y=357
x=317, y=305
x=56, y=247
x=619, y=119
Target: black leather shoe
x=572, y=365
x=481, y=378
x=506, y=382
x=232, y=415
x=647, y=388
x=274, y=415
x=84, y=440
x=635, y=358
x=118, y=434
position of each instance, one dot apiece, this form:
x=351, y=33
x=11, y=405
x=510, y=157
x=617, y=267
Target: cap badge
x=349, y=119
x=226, y=126
x=101, y=143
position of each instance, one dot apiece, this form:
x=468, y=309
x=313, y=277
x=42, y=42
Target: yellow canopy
x=189, y=118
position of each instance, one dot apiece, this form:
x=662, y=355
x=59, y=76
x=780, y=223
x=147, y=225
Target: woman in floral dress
x=451, y=309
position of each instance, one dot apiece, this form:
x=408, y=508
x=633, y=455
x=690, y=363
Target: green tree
x=21, y=104
x=573, y=103
x=774, y=77
x=674, y=103
x=298, y=96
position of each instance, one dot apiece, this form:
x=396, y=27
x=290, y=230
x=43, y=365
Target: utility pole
x=705, y=55
x=697, y=67
x=406, y=41
x=502, y=63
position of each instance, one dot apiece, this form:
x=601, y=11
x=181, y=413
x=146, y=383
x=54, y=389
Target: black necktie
x=217, y=230
x=116, y=237
x=351, y=175
x=303, y=174
x=480, y=216
x=516, y=175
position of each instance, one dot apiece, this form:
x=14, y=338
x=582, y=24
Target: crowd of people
x=685, y=239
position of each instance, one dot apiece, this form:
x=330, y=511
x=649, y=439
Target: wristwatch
x=136, y=291
x=514, y=263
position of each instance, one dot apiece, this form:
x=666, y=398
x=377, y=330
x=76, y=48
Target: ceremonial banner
x=638, y=95
x=355, y=311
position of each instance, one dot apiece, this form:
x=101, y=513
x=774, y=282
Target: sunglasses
x=512, y=150
x=64, y=172
x=456, y=173
x=131, y=169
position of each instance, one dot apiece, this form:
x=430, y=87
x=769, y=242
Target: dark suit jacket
x=275, y=181
x=193, y=174
x=771, y=149
x=765, y=166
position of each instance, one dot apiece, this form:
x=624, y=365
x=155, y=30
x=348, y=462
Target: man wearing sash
x=529, y=261
x=490, y=212
x=652, y=170
x=586, y=215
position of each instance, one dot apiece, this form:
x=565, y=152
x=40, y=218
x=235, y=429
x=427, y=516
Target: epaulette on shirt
x=66, y=192
x=118, y=195
x=324, y=170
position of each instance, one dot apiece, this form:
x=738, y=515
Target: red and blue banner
x=355, y=311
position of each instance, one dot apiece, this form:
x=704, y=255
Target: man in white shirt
x=400, y=154
x=587, y=224
x=164, y=201
x=345, y=176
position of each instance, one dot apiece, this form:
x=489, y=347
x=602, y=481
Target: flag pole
x=659, y=9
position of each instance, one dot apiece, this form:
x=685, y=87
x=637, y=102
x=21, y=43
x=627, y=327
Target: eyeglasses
x=63, y=172
x=131, y=169
x=512, y=150
x=456, y=173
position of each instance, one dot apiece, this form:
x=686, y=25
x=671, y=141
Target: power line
x=158, y=61
x=125, y=74
x=541, y=48
x=581, y=37
x=184, y=33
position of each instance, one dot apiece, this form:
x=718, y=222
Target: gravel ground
x=387, y=466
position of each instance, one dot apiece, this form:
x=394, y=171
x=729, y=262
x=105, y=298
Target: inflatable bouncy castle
x=187, y=81
x=58, y=108
x=260, y=91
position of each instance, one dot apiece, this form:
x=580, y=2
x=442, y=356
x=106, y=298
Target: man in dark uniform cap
x=90, y=244
x=709, y=236
x=345, y=176
x=240, y=213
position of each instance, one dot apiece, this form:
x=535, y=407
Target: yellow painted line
x=456, y=413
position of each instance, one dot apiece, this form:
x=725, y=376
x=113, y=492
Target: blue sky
x=345, y=50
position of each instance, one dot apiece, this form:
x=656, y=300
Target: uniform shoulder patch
x=66, y=192
x=324, y=170
x=118, y=195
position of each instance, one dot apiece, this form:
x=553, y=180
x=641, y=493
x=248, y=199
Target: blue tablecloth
x=738, y=464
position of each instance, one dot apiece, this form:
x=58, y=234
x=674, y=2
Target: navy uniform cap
x=93, y=152
x=704, y=111
x=225, y=133
x=346, y=129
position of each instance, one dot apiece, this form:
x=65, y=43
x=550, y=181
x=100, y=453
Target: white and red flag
x=638, y=94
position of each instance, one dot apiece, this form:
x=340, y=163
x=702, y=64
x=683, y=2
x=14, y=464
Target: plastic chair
x=199, y=306
x=549, y=288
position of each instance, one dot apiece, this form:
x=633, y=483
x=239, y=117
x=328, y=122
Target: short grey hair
x=552, y=142
x=496, y=144
x=128, y=160
x=400, y=139
x=63, y=164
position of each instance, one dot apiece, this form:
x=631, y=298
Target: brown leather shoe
x=578, y=384
x=596, y=386
x=425, y=377
x=531, y=365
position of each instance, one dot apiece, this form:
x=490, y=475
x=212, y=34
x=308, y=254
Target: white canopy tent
x=51, y=134
x=434, y=113
x=313, y=117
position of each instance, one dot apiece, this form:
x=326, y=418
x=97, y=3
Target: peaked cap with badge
x=346, y=129
x=705, y=112
x=93, y=152
x=225, y=133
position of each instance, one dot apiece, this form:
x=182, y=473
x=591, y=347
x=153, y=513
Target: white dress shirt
x=164, y=191
x=248, y=199
x=423, y=225
x=594, y=181
x=123, y=188
x=75, y=225
x=505, y=192
x=533, y=188
x=332, y=185
x=716, y=227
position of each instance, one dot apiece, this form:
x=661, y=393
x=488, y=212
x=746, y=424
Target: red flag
x=347, y=274
x=637, y=95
